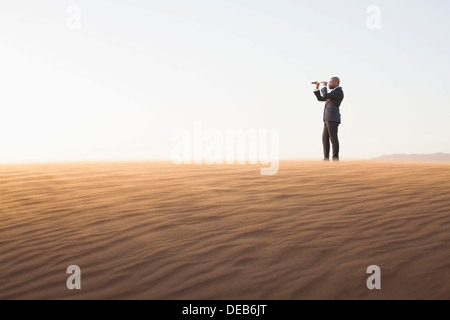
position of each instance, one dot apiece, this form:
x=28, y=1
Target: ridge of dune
x=155, y=230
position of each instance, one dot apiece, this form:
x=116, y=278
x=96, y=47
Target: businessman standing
x=331, y=115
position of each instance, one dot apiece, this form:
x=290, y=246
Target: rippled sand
x=149, y=230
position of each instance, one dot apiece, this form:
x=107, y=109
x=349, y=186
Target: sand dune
x=149, y=230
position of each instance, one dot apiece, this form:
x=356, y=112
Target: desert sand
x=156, y=230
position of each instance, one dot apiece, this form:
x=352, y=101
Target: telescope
x=316, y=82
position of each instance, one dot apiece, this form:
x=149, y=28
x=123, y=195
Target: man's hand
x=317, y=85
x=324, y=83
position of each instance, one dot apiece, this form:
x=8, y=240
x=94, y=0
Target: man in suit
x=331, y=115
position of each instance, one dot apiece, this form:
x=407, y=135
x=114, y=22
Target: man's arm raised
x=317, y=92
x=333, y=95
x=318, y=96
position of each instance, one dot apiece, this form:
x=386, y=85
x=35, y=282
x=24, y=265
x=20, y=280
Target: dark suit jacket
x=332, y=104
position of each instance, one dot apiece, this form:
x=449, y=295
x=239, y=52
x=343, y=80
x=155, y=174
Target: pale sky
x=135, y=71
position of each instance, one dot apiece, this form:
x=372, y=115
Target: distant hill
x=434, y=157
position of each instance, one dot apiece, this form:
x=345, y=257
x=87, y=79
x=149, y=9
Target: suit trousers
x=330, y=133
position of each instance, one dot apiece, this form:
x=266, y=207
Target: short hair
x=337, y=79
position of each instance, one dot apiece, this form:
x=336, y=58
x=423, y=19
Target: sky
x=92, y=80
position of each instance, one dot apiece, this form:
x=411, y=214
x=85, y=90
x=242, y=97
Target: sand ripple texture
x=156, y=230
